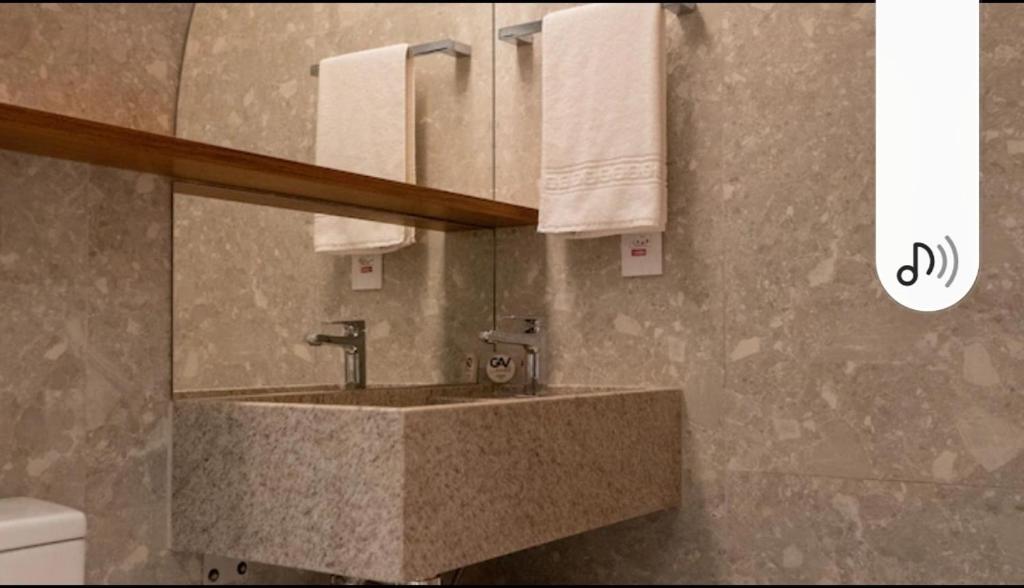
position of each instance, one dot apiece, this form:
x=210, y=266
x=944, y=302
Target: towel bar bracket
x=522, y=34
x=679, y=7
x=446, y=46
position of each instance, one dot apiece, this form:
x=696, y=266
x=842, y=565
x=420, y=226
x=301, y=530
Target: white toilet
x=41, y=543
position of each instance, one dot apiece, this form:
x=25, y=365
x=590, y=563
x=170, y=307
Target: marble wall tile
x=786, y=289
x=127, y=372
x=797, y=529
x=750, y=528
x=42, y=56
x=220, y=20
x=262, y=293
x=256, y=97
x=134, y=64
x=42, y=362
x=105, y=62
x=266, y=288
x=85, y=288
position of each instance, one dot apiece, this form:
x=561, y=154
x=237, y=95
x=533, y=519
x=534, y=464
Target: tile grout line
x=769, y=473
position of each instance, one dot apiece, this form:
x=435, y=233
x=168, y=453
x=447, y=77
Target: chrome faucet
x=527, y=336
x=352, y=341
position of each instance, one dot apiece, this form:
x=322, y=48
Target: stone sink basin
x=402, y=484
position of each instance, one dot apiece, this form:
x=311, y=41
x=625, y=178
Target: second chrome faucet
x=351, y=337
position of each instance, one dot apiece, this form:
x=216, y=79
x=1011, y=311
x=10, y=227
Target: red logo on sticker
x=639, y=253
x=366, y=269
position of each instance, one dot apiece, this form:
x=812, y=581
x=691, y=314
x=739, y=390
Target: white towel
x=603, y=155
x=366, y=124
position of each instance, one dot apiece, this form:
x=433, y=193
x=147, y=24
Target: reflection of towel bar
x=522, y=34
x=447, y=46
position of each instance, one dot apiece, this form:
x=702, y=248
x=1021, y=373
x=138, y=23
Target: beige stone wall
x=830, y=435
x=85, y=281
x=248, y=286
x=85, y=289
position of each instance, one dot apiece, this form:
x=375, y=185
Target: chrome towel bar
x=446, y=46
x=522, y=34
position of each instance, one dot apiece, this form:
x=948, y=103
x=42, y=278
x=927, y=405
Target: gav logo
x=907, y=274
x=500, y=361
x=501, y=368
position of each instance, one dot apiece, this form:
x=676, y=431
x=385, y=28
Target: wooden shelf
x=229, y=174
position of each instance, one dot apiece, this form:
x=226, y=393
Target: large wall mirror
x=248, y=285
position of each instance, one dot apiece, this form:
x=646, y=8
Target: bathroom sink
x=402, y=484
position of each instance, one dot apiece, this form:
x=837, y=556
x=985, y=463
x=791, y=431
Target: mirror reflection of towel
x=366, y=124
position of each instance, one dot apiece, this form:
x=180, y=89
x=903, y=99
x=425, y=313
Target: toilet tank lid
x=27, y=522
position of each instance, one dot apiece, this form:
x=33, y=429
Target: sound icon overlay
x=927, y=155
x=912, y=271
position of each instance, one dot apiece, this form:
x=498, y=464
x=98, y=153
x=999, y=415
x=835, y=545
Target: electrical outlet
x=641, y=255
x=367, y=272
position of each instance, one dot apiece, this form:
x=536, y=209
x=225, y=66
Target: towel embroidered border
x=610, y=172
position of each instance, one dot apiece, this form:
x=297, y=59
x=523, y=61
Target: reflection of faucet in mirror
x=527, y=336
x=352, y=340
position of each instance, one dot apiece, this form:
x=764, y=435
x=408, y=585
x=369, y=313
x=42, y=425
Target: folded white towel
x=366, y=124
x=603, y=156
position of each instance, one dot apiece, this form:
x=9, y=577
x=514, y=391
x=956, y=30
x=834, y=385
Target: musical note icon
x=912, y=267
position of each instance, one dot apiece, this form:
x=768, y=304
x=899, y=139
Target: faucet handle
x=532, y=324
x=350, y=328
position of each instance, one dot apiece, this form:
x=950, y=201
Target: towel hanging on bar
x=367, y=128
x=603, y=147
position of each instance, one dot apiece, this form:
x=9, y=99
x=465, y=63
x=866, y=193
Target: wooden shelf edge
x=210, y=171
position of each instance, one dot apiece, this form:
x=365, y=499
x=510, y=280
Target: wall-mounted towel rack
x=522, y=34
x=446, y=46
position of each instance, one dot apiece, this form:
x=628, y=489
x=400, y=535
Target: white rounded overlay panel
x=927, y=117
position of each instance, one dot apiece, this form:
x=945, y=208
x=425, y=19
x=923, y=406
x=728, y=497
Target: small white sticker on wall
x=641, y=255
x=367, y=272
x=501, y=368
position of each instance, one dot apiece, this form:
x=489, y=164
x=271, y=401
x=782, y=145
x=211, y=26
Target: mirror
x=248, y=286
